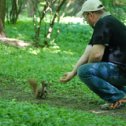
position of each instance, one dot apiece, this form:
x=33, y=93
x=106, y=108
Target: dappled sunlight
x=98, y=111
x=73, y=20
x=35, y=51
x=64, y=20
x=125, y=22
x=14, y=42
x=52, y=49
x=56, y=49
x=68, y=52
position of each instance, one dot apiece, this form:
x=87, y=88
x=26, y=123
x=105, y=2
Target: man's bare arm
x=96, y=53
x=83, y=59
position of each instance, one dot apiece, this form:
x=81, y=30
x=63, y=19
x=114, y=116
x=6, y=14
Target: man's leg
x=103, y=79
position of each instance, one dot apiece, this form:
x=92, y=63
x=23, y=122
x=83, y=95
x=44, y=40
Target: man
x=102, y=66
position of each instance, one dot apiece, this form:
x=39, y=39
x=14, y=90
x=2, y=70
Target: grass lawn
x=70, y=104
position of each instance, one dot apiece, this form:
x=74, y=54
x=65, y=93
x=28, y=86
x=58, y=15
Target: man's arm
x=83, y=59
x=96, y=53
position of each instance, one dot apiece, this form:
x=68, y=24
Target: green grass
x=25, y=114
x=71, y=104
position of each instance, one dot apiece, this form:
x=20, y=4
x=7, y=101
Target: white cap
x=91, y=5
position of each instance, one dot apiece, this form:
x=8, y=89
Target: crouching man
x=102, y=66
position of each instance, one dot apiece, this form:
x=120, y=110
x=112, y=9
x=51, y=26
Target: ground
x=13, y=42
x=10, y=91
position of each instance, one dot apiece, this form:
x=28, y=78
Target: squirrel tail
x=34, y=86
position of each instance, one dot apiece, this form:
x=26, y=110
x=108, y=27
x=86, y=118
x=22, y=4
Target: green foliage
x=71, y=104
x=25, y=114
x=118, y=10
x=25, y=60
x=13, y=9
x=20, y=31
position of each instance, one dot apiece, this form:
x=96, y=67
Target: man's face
x=88, y=16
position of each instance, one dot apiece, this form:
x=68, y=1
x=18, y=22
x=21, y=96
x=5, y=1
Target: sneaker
x=116, y=105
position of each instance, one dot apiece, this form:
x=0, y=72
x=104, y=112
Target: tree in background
x=14, y=8
x=3, y=38
x=116, y=7
x=46, y=12
x=2, y=16
x=56, y=14
x=72, y=7
x=41, y=12
x=32, y=6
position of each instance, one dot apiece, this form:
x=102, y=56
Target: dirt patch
x=10, y=92
x=14, y=42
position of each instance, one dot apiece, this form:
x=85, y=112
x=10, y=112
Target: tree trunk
x=37, y=27
x=48, y=35
x=15, y=10
x=2, y=16
x=32, y=6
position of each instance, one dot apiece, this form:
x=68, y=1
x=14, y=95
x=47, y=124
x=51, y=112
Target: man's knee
x=81, y=70
x=86, y=70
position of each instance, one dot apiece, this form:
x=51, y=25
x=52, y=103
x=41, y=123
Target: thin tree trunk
x=2, y=16
x=38, y=26
x=15, y=10
x=32, y=5
x=48, y=35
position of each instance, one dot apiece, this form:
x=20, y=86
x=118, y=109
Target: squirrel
x=39, y=92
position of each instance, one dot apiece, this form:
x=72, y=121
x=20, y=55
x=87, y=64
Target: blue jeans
x=105, y=79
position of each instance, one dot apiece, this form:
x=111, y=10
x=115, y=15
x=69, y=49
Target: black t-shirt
x=112, y=33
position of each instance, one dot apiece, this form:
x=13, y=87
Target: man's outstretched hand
x=67, y=77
